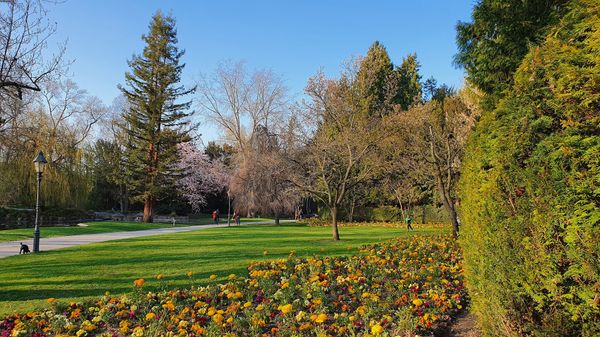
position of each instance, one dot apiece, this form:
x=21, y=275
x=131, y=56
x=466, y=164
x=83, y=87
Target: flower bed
x=389, y=289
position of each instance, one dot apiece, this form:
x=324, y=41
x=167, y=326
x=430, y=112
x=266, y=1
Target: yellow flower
x=232, y=276
x=376, y=329
x=124, y=326
x=417, y=302
x=139, y=282
x=218, y=318
x=169, y=306
x=247, y=304
x=197, y=329
x=51, y=300
x=138, y=331
x=189, y=274
x=159, y=277
x=305, y=326
x=213, y=277
x=361, y=310
x=320, y=318
x=285, y=309
x=150, y=316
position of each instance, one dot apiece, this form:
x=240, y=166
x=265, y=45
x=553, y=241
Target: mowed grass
x=101, y=227
x=78, y=273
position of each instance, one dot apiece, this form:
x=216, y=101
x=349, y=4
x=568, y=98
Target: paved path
x=11, y=248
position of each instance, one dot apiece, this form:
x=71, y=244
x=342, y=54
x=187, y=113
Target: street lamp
x=228, y=207
x=39, y=163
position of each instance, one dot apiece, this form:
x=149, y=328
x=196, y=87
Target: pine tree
x=156, y=121
x=383, y=87
x=408, y=89
x=491, y=47
x=375, y=70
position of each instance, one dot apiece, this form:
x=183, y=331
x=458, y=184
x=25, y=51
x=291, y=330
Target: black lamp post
x=228, y=207
x=39, y=162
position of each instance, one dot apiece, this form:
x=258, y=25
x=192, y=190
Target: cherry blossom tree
x=200, y=175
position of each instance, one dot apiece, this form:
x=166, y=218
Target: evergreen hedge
x=530, y=191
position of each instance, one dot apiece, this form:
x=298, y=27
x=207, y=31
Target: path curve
x=11, y=248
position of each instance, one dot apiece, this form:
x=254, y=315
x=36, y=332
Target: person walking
x=215, y=217
x=236, y=218
x=409, y=221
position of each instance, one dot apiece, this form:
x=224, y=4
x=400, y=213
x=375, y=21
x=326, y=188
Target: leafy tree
x=383, y=87
x=492, y=46
x=405, y=87
x=334, y=159
x=223, y=153
x=529, y=191
x=109, y=188
x=156, y=120
x=58, y=120
x=371, y=79
x=429, y=144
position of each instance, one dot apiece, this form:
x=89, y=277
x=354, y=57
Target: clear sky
x=293, y=38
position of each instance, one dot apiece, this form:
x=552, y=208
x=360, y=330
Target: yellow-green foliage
x=530, y=191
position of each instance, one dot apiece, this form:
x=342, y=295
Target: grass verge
x=101, y=227
x=77, y=273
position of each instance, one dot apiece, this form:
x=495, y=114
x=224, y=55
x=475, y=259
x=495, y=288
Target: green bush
x=386, y=213
x=530, y=191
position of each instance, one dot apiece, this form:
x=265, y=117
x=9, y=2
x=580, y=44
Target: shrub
x=386, y=213
x=530, y=191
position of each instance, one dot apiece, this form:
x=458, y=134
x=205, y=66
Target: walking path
x=11, y=248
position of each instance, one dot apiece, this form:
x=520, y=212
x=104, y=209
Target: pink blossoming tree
x=201, y=176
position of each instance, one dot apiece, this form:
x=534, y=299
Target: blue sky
x=293, y=38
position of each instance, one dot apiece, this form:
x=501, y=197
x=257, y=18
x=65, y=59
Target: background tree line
x=143, y=150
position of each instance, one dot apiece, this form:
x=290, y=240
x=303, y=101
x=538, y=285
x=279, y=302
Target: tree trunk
x=455, y=223
x=334, y=225
x=148, y=210
x=403, y=220
x=424, y=216
x=453, y=217
x=351, y=214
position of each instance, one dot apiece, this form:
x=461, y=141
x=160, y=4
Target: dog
x=24, y=249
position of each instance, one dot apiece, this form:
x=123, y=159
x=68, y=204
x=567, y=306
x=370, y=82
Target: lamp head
x=40, y=162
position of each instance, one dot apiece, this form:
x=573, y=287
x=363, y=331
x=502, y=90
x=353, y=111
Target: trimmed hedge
x=530, y=191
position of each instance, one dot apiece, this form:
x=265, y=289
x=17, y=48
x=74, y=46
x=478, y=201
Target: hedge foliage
x=530, y=191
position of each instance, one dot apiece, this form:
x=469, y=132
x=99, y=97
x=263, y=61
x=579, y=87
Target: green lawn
x=100, y=227
x=72, y=274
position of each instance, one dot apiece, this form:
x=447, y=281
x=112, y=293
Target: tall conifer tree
x=156, y=120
